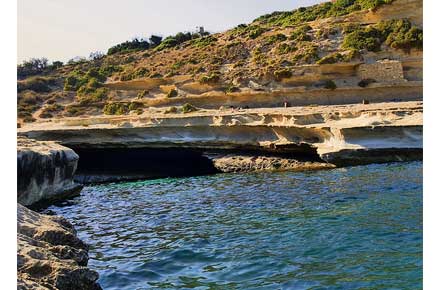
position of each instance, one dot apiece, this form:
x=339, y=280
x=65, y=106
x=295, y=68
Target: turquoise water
x=350, y=228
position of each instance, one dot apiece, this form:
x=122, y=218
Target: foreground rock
x=45, y=171
x=49, y=254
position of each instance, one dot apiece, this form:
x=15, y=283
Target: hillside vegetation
x=262, y=53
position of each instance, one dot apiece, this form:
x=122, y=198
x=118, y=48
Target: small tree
x=32, y=67
x=57, y=64
x=155, y=40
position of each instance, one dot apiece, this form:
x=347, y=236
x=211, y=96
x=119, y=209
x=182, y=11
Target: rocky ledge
x=338, y=134
x=50, y=255
x=45, y=171
x=232, y=163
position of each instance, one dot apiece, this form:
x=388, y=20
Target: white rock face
x=45, y=171
x=368, y=132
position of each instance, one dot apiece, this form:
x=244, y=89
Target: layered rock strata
x=340, y=134
x=45, y=171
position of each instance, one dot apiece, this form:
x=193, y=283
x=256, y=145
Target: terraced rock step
x=334, y=134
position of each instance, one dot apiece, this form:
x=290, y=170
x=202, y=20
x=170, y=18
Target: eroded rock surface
x=50, y=255
x=45, y=171
x=392, y=131
x=243, y=163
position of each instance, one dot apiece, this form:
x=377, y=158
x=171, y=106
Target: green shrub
x=169, y=42
x=300, y=34
x=29, y=119
x=71, y=83
x=211, y=78
x=325, y=33
x=188, y=108
x=285, y=48
x=27, y=103
x=108, y=70
x=401, y=34
x=172, y=93
x=259, y=57
x=171, y=110
x=93, y=97
x=116, y=109
x=94, y=73
x=203, y=41
x=308, y=54
x=134, y=45
x=36, y=84
x=279, y=37
x=53, y=108
x=255, y=31
x=178, y=64
x=76, y=79
x=330, y=85
x=319, y=11
x=173, y=41
x=129, y=74
x=133, y=106
x=398, y=34
x=331, y=58
x=364, y=38
x=142, y=94
x=45, y=115
x=232, y=89
x=74, y=110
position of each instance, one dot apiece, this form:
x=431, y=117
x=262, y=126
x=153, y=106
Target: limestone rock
x=243, y=163
x=45, y=171
x=50, y=255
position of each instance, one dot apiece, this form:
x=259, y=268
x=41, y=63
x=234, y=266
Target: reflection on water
x=353, y=228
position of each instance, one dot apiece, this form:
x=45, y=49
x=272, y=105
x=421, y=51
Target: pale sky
x=63, y=29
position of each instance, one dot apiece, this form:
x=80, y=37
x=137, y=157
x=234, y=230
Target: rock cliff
x=45, y=171
x=339, y=134
x=49, y=254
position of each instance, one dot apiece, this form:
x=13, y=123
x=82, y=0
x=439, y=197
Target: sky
x=63, y=29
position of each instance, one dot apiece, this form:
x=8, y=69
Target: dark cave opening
x=112, y=164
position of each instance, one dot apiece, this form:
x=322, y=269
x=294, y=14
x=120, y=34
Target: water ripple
x=350, y=228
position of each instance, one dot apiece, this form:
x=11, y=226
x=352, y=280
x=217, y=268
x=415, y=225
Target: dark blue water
x=352, y=228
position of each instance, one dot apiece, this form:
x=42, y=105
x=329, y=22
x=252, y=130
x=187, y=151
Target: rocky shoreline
x=49, y=253
x=298, y=139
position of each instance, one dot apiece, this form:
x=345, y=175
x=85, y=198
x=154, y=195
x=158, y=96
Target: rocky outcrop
x=320, y=131
x=50, y=255
x=299, y=95
x=245, y=163
x=45, y=171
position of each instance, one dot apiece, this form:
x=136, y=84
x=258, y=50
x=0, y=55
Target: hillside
x=344, y=51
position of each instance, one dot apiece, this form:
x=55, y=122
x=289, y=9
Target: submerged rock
x=45, y=171
x=50, y=255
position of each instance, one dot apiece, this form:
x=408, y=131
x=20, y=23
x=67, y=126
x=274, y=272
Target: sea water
x=348, y=228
